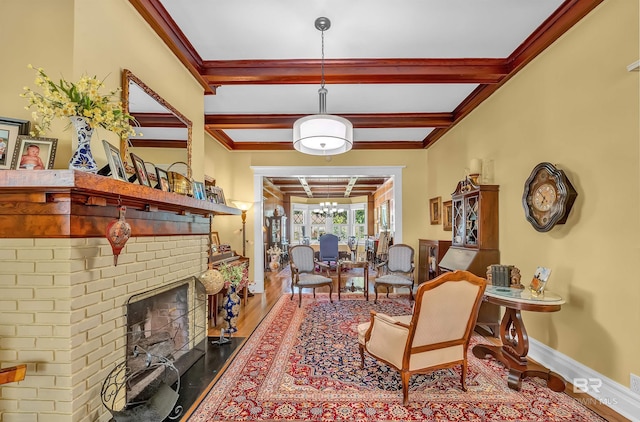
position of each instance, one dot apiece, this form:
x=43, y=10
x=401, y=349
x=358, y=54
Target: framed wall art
x=34, y=153
x=9, y=131
x=163, y=180
x=141, y=170
x=434, y=210
x=215, y=239
x=116, y=166
x=447, y=210
x=198, y=190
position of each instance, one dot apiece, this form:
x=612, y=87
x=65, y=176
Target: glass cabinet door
x=471, y=215
x=458, y=223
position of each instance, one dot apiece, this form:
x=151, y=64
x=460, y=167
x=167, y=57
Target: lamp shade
x=242, y=205
x=322, y=134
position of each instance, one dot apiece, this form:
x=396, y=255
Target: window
x=298, y=230
x=359, y=223
x=318, y=226
x=340, y=227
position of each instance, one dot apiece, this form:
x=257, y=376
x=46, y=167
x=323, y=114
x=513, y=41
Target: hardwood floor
x=260, y=304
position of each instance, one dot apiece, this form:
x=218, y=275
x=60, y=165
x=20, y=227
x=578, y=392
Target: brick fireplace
x=63, y=306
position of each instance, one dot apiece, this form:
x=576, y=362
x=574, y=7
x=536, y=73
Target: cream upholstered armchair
x=397, y=270
x=435, y=336
x=303, y=275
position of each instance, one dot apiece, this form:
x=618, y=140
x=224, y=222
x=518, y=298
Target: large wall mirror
x=162, y=126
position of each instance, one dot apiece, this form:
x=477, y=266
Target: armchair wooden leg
x=361, y=347
x=375, y=288
x=405, y=387
x=464, y=377
x=314, y=292
x=299, y=297
x=330, y=292
x=387, y=292
x=411, y=293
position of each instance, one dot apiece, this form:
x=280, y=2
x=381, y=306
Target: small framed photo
x=116, y=166
x=215, y=238
x=163, y=180
x=221, y=199
x=539, y=281
x=434, y=210
x=141, y=170
x=198, y=190
x=9, y=131
x=447, y=215
x=33, y=153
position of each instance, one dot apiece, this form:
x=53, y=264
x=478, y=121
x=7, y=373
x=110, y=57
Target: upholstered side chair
x=329, y=250
x=303, y=275
x=435, y=336
x=397, y=270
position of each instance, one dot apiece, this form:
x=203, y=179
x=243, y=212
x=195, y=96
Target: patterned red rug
x=303, y=364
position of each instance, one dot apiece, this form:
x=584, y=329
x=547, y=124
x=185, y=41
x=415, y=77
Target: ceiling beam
x=354, y=71
x=163, y=24
x=158, y=120
x=285, y=121
x=157, y=143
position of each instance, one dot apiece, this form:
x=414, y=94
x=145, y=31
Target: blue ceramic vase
x=231, y=306
x=82, y=159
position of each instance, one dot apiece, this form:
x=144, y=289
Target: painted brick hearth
x=62, y=313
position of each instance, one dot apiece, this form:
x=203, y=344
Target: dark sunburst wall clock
x=548, y=197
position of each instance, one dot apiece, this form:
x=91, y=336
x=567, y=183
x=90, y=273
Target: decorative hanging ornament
x=118, y=232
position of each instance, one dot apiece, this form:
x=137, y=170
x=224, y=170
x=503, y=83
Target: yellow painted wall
x=576, y=106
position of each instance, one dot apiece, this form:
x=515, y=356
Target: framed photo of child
x=34, y=153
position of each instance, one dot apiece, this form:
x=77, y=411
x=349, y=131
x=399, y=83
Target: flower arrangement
x=233, y=275
x=274, y=250
x=66, y=99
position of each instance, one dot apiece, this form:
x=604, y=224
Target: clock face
x=548, y=197
x=544, y=197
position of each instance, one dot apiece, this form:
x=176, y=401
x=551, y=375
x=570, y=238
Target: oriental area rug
x=303, y=364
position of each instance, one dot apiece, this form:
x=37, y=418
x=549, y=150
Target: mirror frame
x=127, y=77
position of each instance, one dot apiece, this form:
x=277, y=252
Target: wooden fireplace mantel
x=70, y=203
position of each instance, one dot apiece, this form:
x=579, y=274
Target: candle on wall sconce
x=475, y=168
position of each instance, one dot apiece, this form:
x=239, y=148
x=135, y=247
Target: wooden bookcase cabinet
x=475, y=228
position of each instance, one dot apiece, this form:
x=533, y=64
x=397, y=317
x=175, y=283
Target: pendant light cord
x=322, y=62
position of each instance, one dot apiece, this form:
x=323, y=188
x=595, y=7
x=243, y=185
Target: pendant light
x=322, y=133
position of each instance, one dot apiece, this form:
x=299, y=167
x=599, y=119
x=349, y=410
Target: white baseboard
x=614, y=395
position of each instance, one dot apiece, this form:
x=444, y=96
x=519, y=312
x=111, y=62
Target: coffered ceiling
x=403, y=72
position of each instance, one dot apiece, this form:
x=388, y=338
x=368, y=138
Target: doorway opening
x=393, y=172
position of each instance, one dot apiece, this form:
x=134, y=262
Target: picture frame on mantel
x=447, y=211
x=34, y=153
x=435, y=212
x=9, y=131
x=114, y=161
x=141, y=170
